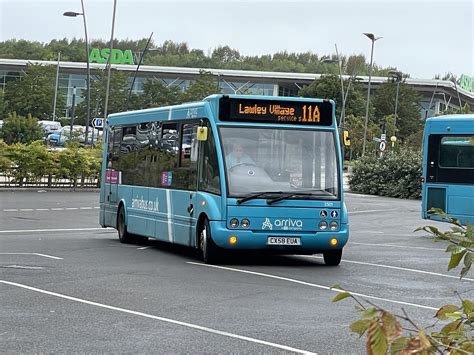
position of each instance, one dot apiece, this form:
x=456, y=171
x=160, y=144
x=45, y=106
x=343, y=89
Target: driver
x=238, y=157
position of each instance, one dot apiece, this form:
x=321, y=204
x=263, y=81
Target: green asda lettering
x=118, y=56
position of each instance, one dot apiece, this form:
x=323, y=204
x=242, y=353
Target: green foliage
x=204, y=85
x=34, y=92
x=395, y=174
x=408, y=109
x=18, y=129
x=30, y=163
x=155, y=94
x=355, y=125
x=385, y=331
x=171, y=53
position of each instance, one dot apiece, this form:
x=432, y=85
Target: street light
x=83, y=14
x=372, y=38
x=338, y=61
x=397, y=76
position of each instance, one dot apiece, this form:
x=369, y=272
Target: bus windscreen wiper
x=255, y=195
x=288, y=195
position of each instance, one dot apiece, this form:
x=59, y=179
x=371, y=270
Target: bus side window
x=210, y=180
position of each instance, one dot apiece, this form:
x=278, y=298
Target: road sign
x=382, y=146
x=383, y=137
x=98, y=122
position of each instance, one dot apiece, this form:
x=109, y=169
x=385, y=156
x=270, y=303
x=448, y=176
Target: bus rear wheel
x=207, y=247
x=123, y=234
x=332, y=257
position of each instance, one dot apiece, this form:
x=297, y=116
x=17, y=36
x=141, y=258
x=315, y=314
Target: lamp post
x=338, y=61
x=397, y=76
x=372, y=38
x=83, y=14
x=109, y=62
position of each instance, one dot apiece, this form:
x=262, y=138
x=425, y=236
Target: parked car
x=50, y=127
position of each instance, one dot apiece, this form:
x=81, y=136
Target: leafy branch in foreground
x=387, y=332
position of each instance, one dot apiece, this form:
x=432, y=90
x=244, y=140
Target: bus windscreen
x=276, y=111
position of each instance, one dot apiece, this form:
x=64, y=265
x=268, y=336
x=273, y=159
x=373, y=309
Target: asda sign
x=118, y=56
x=466, y=82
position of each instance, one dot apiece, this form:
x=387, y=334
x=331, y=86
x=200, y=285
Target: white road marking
x=313, y=285
x=396, y=246
x=52, y=230
x=49, y=209
x=392, y=267
x=162, y=319
x=373, y=211
x=38, y=254
x=143, y=248
x=22, y=267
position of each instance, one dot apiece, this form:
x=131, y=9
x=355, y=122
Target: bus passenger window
x=189, y=145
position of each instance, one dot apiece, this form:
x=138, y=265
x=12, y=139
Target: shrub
x=395, y=174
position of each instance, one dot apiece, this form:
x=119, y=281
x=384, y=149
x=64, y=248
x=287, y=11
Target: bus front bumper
x=248, y=239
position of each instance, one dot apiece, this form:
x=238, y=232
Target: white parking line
x=396, y=246
x=53, y=230
x=392, y=267
x=313, y=285
x=143, y=248
x=162, y=319
x=38, y=254
x=49, y=209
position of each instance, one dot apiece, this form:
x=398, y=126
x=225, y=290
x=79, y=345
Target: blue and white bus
x=448, y=167
x=228, y=172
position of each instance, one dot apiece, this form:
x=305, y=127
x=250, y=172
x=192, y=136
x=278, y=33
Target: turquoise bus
x=228, y=172
x=448, y=167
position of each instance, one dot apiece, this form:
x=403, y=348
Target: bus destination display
x=276, y=111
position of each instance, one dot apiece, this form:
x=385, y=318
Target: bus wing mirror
x=202, y=134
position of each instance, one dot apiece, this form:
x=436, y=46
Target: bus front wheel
x=208, y=248
x=332, y=257
x=123, y=234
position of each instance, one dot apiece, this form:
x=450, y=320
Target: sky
x=420, y=37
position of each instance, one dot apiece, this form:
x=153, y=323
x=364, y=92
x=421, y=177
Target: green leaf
x=451, y=327
x=390, y=325
x=424, y=340
x=369, y=313
x=360, y=326
x=341, y=296
x=468, y=306
x=454, y=315
x=453, y=248
x=376, y=341
x=336, y=286
x=448, y=308
x=399, y=344
x=455, y=259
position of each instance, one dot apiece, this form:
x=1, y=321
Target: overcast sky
x=420, y=37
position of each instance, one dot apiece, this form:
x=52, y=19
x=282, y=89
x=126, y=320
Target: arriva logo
x=285, y=224
x=267, y=224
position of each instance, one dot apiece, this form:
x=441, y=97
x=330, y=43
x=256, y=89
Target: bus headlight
x=323, y=225
x=234, y=223
x=245, y=223
x=333, y=225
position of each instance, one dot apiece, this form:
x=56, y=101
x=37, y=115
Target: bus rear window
x=457, y=152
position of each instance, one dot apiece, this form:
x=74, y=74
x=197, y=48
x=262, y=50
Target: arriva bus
x=228, y=172
x=448, y=167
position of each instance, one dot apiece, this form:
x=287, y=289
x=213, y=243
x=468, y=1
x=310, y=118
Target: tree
x=329, y=87
x=408, y=110
x=205, y=85
x=18, y=129
x=156, y=94
x=33, y=93
x=118, y=94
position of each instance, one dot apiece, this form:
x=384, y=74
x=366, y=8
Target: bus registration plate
x=283, y=241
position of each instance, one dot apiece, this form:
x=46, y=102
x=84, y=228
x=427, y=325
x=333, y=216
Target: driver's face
x=238, y=150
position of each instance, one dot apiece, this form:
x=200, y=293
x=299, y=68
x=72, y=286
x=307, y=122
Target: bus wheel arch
x=208, y=250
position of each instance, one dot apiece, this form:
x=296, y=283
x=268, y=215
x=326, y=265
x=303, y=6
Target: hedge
x=395, y=174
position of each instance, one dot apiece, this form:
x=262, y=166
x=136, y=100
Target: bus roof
x=194, y=109
x=450, y=124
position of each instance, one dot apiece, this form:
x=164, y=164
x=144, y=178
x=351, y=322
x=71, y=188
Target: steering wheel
x=241, y=164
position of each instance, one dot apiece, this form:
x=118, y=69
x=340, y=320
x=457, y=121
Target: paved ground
x=69, y=286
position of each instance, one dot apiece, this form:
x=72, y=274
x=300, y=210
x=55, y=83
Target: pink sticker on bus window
x=112, y=176
x=166, y=178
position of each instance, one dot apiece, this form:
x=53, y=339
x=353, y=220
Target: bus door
x=181, y=181
x=112, y=173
